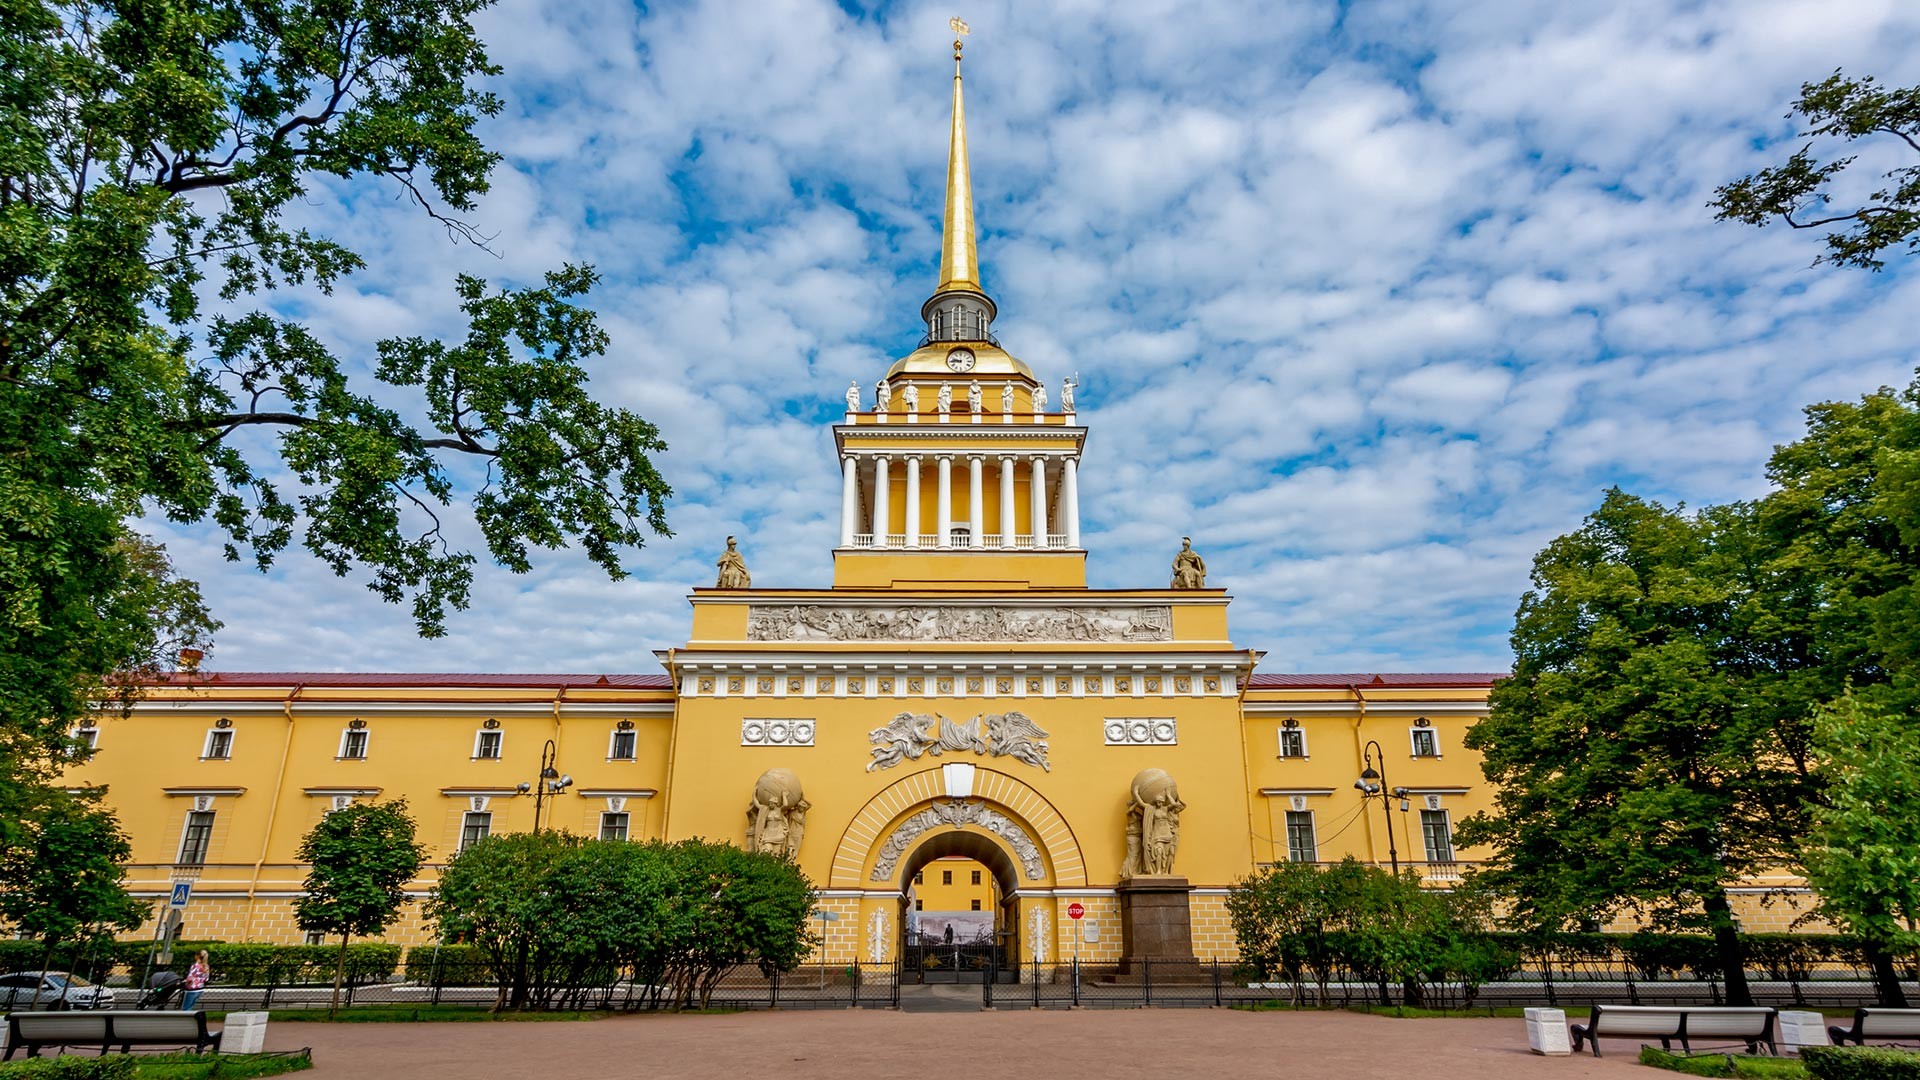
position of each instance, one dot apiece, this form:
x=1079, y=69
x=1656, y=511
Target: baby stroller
x=161, y=988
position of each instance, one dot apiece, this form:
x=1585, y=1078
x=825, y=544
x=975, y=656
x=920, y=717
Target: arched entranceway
x=944, y=957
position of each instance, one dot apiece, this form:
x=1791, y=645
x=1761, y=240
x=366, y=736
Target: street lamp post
x=1373, y=781
x=551, y=782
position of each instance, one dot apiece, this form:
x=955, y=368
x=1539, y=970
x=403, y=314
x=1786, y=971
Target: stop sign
x=1075, y=910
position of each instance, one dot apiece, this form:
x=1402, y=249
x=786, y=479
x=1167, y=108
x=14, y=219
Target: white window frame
x=1413, y=741
x=206, y=749
x=346, y=736
x=613, y=743
x=468, y=816
x=1426, y=844
x=1313, y=831
x=499, y=745
x=1282, y=738
x=89, y=735
x=186, y=829
x=626, y=827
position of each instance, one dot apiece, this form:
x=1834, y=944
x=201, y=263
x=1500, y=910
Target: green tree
x=148, y=158
x=497, y=894
x=1640, y=764
x=361, y=858
x=66, y=879
x=1799, y=192
x=1863, y=853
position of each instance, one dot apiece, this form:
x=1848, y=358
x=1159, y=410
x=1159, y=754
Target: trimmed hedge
x=1860, y=1063
x=69, y=1067
x=234, y=963
x=456, y=965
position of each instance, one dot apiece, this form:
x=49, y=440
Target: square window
x=89, y=737
x=623, y=746
x=219, y=744
x=353, y=744
x=1426, y=742
x=474, y=828
x=976, y=905
x=613, y=826
x=486, y=747
x=197, y=838
x=1293, y=743
x=1301, y=844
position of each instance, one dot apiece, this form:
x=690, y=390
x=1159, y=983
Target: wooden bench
x=1899, y=1025
x=35, y=1031
x=1752, y=1026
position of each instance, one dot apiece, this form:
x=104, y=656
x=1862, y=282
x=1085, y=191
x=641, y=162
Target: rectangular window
x=475, y=828
x=622, y=747
x=613, y=826
x=1438, y=834
x=919, y=877
x=89, y=737
x=1301, y=844
x=1293, y=743
x=199, y=834
x=1426, y=742
x=946, y=877
x=976, y=905
x=219, y=745
x=919, y=904
x=315, y=937
x=976, y=877
x=486, y=746
x=353, y=744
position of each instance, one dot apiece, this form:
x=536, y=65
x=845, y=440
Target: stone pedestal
x=1156, y=922
x=244, y=1033
x=1547, y=1032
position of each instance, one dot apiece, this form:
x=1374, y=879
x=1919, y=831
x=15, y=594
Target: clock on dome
x=960, y=359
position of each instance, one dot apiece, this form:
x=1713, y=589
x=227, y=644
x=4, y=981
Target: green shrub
x=1860, y=1063
x=69, y=1067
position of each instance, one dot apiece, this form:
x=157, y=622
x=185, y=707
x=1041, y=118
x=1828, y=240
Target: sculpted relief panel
x=949, y=622
x=959, y=812
x=910, y=735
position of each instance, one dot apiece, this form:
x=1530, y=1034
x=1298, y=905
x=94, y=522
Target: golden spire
x=959, y=261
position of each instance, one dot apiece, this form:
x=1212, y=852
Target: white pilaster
x=1039, y=501
x=882, y=481
x=1006, y=502
x=913, y=501
x=976, y=516
x=1070, y=500
x=944, y=518
x=849, y=499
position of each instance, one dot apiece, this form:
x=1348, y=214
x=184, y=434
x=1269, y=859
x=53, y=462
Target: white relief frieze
x=959, y=813
x=951, y=622
x=776, y=732
x=1142, y=731
x=909, y=736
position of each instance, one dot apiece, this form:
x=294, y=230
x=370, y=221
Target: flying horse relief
x=909, y=736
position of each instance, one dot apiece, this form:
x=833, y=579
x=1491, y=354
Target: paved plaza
x=1213, y=1044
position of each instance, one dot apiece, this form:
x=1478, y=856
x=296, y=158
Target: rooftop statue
x=1189, y=569
x=881, y=392
x=946, y=399
x=853, y=396
x=973, y=397
x=1066, y=395
x=733, y=569
x=911, y=397
x=1006, y=399
x=1040, y=398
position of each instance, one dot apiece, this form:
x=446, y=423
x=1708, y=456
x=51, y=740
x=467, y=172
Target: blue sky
x=1372, y=301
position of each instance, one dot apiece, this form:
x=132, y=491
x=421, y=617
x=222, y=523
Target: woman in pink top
x=197, y=977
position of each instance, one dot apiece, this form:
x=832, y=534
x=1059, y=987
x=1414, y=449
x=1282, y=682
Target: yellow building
x=958, y=699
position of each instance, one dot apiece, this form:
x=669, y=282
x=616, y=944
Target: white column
x=1070, y=500
x=849, y=499
x=975, y=515
x=1006, y=502
x=1039, y=507
x=913, y=501
x=943, y=520
x=882, y=480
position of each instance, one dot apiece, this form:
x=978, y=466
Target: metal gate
x=948, y=962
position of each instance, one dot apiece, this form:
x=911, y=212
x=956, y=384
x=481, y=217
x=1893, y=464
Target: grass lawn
x=179, y=1066
x=1403, y=1010
x=1738, y=1065
x=418, y=1014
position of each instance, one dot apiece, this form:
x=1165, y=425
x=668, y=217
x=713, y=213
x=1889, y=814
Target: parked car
x=51, y=990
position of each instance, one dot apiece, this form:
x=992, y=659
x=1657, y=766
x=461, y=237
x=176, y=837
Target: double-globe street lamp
x=551, y=782
x=1373, y=781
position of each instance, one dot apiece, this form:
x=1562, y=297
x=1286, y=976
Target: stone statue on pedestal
x=946, y=399
x=973, y=397
x=1006, y=400
x=1189, y=569
x=1066, y=395
x=1153, y=825
x=1040, y=398
x=911, y=396
x=777, y=816
x=733, y=569
x=853, y=396
x=881, y=392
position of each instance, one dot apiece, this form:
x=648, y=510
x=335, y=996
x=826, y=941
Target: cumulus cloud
x=1370, y=301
